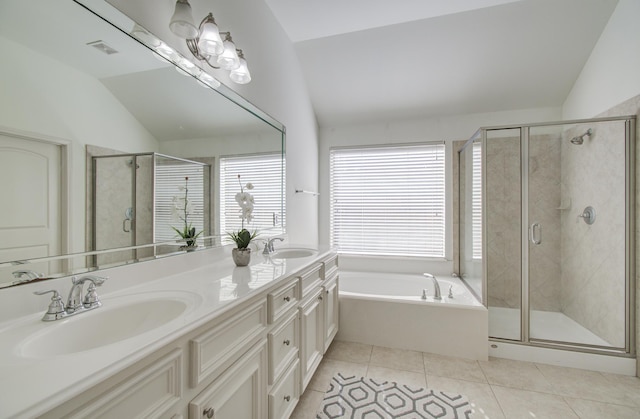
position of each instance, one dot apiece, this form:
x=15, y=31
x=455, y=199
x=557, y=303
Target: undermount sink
x=292, y=253
x=103, y=326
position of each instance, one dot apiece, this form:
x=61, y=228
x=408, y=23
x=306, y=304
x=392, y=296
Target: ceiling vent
x=103, y=47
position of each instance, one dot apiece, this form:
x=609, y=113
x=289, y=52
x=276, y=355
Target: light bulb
x=210, y=42
x=229, y=58
x=181, y=23
x=241, y=74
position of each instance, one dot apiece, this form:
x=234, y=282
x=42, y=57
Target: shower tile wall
x=593, y=269
x=503, y=205
x=503, y=220
x=544, y=201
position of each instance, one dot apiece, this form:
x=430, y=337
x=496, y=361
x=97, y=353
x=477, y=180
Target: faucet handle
x=91, y=299
x=56, y=307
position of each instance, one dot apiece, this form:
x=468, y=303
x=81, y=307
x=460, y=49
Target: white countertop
x=207, y=281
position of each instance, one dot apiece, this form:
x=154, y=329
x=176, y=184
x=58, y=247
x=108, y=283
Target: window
x=267, y=173
x=388, y=200
x=476, y=202
x=170, y=182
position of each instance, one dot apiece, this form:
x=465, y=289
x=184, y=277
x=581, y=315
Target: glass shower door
x=576, y=222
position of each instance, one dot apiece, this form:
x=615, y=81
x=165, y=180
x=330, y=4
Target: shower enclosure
x=546, y=216
x=133, y=203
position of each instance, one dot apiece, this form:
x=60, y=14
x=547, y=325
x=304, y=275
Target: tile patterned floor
x=498, y=388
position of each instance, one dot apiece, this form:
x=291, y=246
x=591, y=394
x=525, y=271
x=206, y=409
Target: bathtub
x=387, y=309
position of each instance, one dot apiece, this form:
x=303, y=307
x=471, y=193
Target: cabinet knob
x=320, y=297
x=287, y=342
x=208, y=413
x=287, y=298
x=287, y=398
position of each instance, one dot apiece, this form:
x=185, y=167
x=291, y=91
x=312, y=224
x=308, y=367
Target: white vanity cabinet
x=240, y=392
x=331, y=304
x=252, y=361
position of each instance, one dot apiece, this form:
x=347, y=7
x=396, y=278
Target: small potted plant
x=181, y=209
x=242, y=238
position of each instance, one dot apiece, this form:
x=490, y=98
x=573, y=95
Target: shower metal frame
x=630, y=245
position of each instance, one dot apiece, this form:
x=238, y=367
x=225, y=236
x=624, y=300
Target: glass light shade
x=181, y=23
x=241, y=74
x=229, y=58
x=210, y=42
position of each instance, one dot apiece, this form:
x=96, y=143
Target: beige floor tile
x=329, y=367
x=526, y=404
x=349, y=352
x=515, y=374
x=411, y=379
x=399, y=359
x=483, y=403
x=628, y=385
x=308, y=405
x=588, y=409
x=459, y=368
x=583, y=384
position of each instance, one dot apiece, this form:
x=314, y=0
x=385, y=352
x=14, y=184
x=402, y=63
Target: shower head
x=580, y=138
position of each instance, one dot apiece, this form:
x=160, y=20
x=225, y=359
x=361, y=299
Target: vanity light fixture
x=206, y=43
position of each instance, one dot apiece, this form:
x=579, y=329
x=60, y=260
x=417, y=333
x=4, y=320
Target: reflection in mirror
x=79, y=90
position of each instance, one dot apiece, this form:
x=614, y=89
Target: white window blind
x=267, y=173
x=170, y=181
x=476, y=201
x=388, y=200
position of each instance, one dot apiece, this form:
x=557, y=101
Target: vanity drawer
x=311, y=279
x=280, y=301
x=284, y=395
x=219, y=347
x=330, y=267
x=284, y=342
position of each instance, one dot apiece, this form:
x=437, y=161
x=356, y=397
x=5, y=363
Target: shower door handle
x=535, y=238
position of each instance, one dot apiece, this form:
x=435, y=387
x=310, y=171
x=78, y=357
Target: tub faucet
x=268, y=247
x=436, y=286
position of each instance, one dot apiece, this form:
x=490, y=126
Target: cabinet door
x=312, y=334
x=240, y=392
x=332, y=315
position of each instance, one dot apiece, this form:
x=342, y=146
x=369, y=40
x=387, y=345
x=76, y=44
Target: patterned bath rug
x=366, y=398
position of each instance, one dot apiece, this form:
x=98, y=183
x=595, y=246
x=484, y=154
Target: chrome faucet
x=75, y=304
x=268, y=247
x=437, y=295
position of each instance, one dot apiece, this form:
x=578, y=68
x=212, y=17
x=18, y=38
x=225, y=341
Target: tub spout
x=436, y=286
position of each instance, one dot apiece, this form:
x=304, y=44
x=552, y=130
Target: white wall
x=611, y=75
x=277, y=87
x=44, y=96
x=449, y=129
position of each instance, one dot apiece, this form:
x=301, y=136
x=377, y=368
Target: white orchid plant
x=243, y=237
x=181, y=210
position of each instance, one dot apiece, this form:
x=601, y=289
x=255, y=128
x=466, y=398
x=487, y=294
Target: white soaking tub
x=387, y=309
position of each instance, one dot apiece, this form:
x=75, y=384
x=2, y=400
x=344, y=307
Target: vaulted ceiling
x=367, y=60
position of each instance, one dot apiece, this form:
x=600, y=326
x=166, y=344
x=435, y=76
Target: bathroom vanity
x=176, y=342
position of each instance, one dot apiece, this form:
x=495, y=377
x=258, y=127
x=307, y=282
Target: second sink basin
x=103, y=326
x=290, y=253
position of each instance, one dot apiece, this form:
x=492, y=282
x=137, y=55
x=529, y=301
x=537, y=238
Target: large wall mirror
x=101, y=139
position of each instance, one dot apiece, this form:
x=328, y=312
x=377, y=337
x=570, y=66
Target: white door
x=30, y=177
